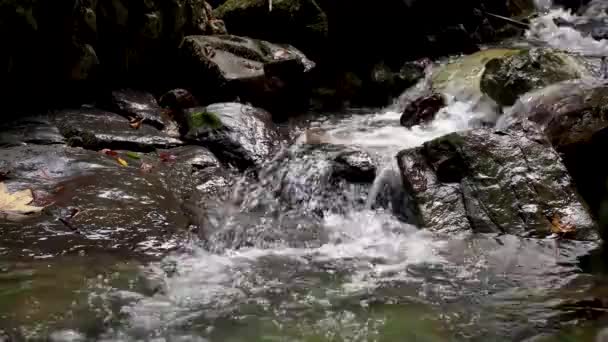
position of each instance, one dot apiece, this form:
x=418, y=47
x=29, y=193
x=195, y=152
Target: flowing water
x=340, y=268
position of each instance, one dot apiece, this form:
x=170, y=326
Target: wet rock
x=505, y=79
x=237, y=134
x=464, y=74
x=178, y=99
x=119, y=208
x=573, y=115
x=265, y=74
x=30, y=130
x=487, y=181
x=422, y=110
x=354, y=166
x=302, y=185
x=96, y=129
x=137, y=104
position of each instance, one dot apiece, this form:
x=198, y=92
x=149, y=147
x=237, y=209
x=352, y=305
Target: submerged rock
x=96, y=129
x=493, y=182
x=266, y=74
x=237, y=134
x=505, y=79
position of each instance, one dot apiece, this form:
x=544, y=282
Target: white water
x=565, y=38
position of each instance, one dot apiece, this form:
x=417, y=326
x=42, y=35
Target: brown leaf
x=557, y=227
x=135, y=123
x=16, y=206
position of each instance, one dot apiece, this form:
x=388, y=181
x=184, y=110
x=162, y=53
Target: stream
x=356, y=272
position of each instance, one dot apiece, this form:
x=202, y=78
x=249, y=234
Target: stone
x=237, y=134
x=488, y=181
x=133, y=103
x=505, y=79
x=265, y=74
x=422, y=110
x=96, y=129
x=94, y=204
x=573, y=116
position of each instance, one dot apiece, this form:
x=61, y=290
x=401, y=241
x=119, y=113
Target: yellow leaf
x=16, y=205
x=122, y=161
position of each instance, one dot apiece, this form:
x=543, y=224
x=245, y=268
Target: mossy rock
x=507, y=78
x=204, y=119
x=464, y=73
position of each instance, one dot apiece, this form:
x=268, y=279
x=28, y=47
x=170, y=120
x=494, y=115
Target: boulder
x=96, y=129
x=237, y=134
x=573, y=115
x=422, y=110
x=494, y=182
x=265, y=74
x=505, y=79
x=93, y=204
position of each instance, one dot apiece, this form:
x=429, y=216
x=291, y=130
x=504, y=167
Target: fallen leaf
x=16, y=206
x=557, y=227
x=122, y=161
x=109, y=152
x=167, y=157
x=135, y=123
x=133, y=155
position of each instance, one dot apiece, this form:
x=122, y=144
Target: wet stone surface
x=96, y=129
x=94, y=203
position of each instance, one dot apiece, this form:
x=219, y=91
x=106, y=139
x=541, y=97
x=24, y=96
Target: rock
x=422, y=110
x=30, y=130
x=137, y=104
x=463, y=75
x=505, y=79
x=265, y=74
x=95, y=204
x=299, y=22
x=178, y=99
x=96, y=129
x=237, y=134
x=569, y=112
x=354, y=166
x=573, y=115
x=304, y=184
x=493, y=182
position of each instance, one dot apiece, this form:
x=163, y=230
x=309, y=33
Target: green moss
x=205, y=119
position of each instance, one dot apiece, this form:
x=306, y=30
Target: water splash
x=565, y=36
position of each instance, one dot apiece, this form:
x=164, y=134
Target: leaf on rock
x=122, y=162
x=557, y=227
x=109, y=152
x=133, y=155
x=135, y=123
x=16, y=206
